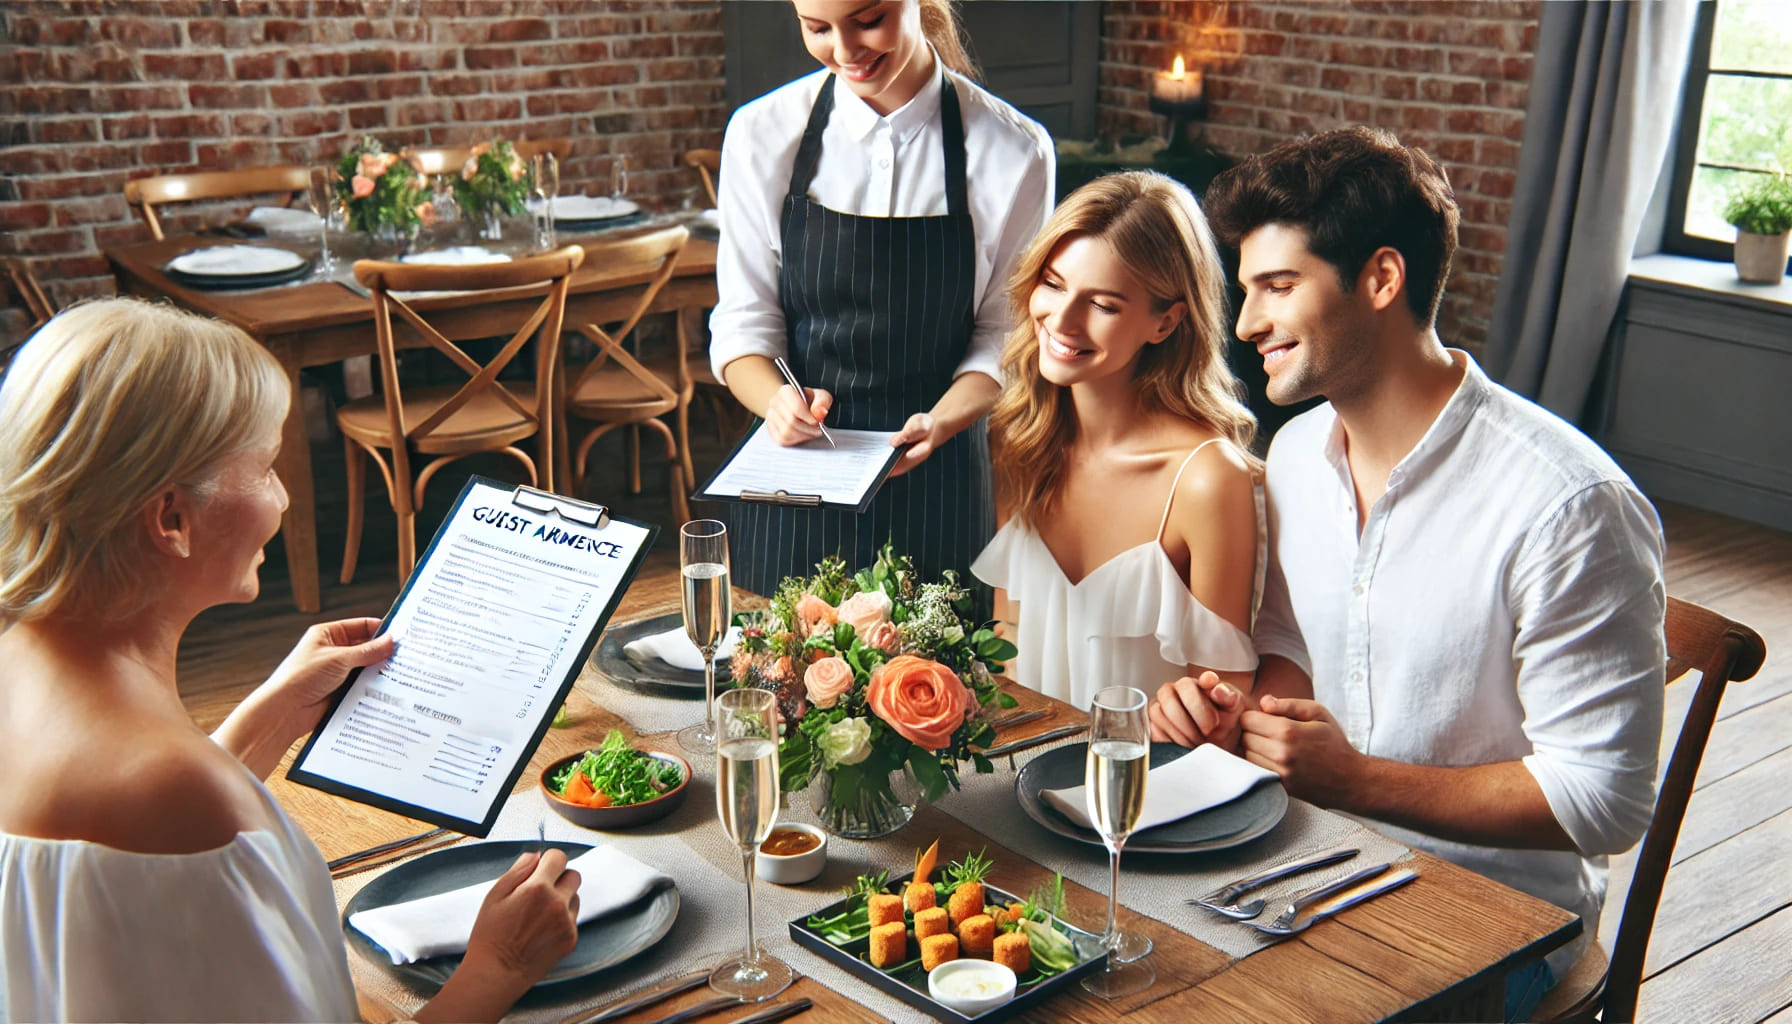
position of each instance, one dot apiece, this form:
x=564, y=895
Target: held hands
x=792, y=418
x=918, y=434
x=1301, y=741
x=1196, y=711
x=529, y=919
x=321, y=661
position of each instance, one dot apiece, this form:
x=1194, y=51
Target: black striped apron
x=878, y=311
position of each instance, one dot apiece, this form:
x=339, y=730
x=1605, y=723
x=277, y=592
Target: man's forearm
x=1487, y=805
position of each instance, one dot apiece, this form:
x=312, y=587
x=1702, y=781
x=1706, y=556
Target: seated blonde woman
x=145, y=872
x=1131, y=550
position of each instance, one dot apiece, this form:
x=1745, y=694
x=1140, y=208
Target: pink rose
x=426, y=211
x=884, y=636
x=827, y=680
x=865, y=610
x=468, y=169
x=815, y=615
x=362, y=186
x=923, y=700
x=371, y=165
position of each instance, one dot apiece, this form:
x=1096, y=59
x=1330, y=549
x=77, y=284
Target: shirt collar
x=860, y=120
x=1455, y=415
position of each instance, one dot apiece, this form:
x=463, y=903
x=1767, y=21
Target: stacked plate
x=237, y=266
x=577, y=213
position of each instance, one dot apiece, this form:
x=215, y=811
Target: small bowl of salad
x=616, y=786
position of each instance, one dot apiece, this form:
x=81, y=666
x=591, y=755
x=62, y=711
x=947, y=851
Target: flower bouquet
x=492, y=183
x=884, y=684
x=381, y=192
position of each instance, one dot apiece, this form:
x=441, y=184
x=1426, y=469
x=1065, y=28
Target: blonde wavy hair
x=107, y=404
x=1156, y=229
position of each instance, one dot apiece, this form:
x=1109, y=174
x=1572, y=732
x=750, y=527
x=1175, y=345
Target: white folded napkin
x=713, y=218
x=282, y=218
x=456, y=256
x=1199, y=780
x=674, y=647
x=586, y=207
x=441, y=924
x=236, y=259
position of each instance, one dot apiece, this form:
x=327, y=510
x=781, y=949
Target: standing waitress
x=871, y=215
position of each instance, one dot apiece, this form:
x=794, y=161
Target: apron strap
x=808, y=153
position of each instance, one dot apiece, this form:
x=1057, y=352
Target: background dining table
x=319, y=322
x=1438, y=948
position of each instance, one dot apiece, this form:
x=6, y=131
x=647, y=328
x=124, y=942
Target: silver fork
x=1287, y=923
x=1225, y=899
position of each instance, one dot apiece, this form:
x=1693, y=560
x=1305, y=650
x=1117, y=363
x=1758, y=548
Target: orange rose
x=361, y=186
x=815, y=615
x=826, y=680
x=884, y=636
x=923, y=700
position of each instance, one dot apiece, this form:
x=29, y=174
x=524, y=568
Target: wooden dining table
x=316, y=323
x=1438, y=948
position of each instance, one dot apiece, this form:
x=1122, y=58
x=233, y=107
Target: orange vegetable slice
x=578, y=789
x=925, y=863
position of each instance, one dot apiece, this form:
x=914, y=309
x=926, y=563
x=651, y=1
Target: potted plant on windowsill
x=1762, y=214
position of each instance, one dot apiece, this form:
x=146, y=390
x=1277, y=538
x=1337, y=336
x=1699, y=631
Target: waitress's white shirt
x=873, y=166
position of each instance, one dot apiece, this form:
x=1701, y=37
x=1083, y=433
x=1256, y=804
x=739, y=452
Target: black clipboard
x=708, y=491
x=548, y=507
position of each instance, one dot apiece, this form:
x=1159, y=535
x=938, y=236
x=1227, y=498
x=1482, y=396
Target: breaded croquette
x=889, y=944
x=938, y=949
x=977, y=936
x=966, y=901
x=1014, y=952
x=884, y=908
x=919, y=896
x=932, y=921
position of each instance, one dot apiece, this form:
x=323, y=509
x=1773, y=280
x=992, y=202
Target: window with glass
x=1736, y=121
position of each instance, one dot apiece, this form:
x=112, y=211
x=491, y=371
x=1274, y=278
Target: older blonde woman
x=145, y=871
x=1131, y=550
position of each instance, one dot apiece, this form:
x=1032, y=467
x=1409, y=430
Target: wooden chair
x=709, y=164
x=616, y=389
x=561, y=148
x=147, y=193
x=452, y=421
x=450, y=159
x=1723, y=651
x=25, y=283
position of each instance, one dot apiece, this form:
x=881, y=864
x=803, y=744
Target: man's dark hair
x=1354, y=190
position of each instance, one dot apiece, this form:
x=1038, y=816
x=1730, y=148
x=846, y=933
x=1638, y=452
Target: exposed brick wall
x=1451, y=77
x=96, y=93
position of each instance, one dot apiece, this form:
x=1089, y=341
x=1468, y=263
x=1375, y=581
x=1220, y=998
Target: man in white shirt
x=1462, y=630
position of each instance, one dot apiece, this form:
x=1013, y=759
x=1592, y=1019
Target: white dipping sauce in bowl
x=971, y=986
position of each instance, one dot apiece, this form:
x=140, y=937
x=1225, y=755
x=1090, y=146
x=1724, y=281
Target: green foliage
x=494, y=179
x=1762, y=208
x=394, y=188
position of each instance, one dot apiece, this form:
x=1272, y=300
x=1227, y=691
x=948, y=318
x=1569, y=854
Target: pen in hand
x=790, y=378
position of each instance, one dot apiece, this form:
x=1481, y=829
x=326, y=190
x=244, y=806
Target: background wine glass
x=544, y=176
x=747, y=803
x=320, y=196
x=708, y=607
x=619, y=177
x=1114, y=780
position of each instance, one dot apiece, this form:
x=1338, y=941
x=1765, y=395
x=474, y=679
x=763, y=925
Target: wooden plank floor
x=1722, y=950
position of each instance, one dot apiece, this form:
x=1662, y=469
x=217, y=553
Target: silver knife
x=778, y=1012
x=1033, y=741
x=700, y=1010
x=675, y=986
x=374, y=851
x=1007, y=721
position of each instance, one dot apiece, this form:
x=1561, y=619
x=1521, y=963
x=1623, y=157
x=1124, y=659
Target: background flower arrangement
x=493, y=181
x=380, y=189
x=874, y=672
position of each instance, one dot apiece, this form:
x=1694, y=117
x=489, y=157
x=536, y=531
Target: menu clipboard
x=814, y=474
x=493, y=628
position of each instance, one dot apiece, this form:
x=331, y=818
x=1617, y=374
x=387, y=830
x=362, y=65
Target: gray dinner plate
x=1218, y=828
x=649, y=675
x=603, y=942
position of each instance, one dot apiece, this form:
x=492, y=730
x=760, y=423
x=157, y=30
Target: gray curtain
x=1605, y=86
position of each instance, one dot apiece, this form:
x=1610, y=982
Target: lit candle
x=1178, y=85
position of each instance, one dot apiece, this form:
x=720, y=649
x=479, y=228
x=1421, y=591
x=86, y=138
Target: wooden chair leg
x=634, y=459
x=684, y=440
x=407, y=529
x=357, y=501
x=681, y=507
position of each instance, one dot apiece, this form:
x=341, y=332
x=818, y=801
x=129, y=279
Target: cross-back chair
x=616, y=389
x=449, y=422
x=709, y=164
x=430, y=160
x=147, y=193
x=37, y=303
x=1723, y=651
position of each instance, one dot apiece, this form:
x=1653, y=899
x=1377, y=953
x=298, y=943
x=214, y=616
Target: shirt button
x=884, y=163
x=1356, y=677
x=1357, y=590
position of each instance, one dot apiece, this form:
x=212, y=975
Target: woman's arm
x=968, y=400
x=290, y=703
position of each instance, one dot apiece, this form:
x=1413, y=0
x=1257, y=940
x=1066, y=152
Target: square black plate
x=910, y=986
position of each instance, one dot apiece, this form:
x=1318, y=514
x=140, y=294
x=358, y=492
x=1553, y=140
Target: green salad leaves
x=621, y=772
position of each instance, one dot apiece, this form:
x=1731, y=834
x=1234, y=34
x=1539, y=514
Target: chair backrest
x=655, y=252
x=25, y=283
x=561, y=148
x=1722, y=651
x=709, y=164
x=438, y=159
x=147, y=193
x=548, y=272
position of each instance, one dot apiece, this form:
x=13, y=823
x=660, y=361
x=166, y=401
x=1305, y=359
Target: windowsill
x=1709, y=279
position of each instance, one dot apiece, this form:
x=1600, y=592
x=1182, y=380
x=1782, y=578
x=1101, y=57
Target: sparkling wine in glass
x=708, y=607
x=619, y=177
x=320, y=196
x=1114, y=781
x=544, y=177
x=747, y=802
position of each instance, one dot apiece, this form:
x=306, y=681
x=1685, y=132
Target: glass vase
x=491, y=225
x=868, y=810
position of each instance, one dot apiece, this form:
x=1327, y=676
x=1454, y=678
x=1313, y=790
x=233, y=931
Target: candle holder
x=1177, y=95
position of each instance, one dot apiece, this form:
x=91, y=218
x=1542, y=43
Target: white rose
x=847, y=741
x=952, y=634
x=864, y=610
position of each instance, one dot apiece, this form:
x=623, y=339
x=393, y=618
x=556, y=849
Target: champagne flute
x=747, y=802
x=619, y=177
x=320, y=196
x=708, y=607
x=544, y=176
x=1114, y=786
